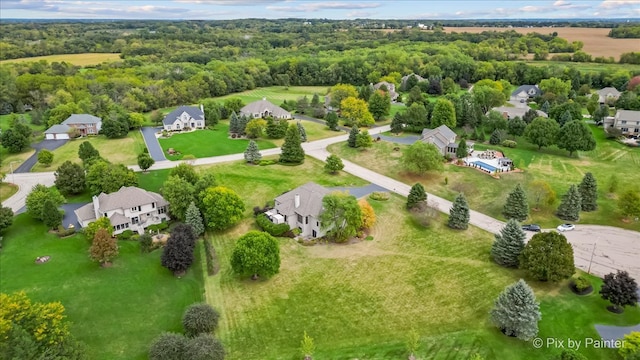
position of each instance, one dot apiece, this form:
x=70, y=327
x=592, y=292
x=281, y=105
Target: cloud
x=360, y=14
x=319, y=6
x=616, y=4
x=229, y=2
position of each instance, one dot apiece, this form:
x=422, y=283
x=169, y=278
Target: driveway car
x=531, y=227
x=565, y=227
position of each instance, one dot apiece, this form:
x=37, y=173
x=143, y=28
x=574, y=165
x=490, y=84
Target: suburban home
x=300, y=208
x=130, y=208
x=191, y=117
x=263, y=108
x=510, y=112
x=608, y=95
x=525, y=92
x=444, y=139
x=403, y=81
x=84, y=124
x=391, y=89
x=627, y=121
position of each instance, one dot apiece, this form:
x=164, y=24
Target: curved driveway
x=615, y=248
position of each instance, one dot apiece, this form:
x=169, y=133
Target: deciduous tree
x=38, y=196
x=630, y=349
x=516, y=311
x=368, y=214
x=508, y=245
x=145, y=161
x=70, y=178
x=340, y=92
x=629, y=203
x=292, y=152
x=542, y=193
x=93, y=227
x=6, y=218
x=588, y=189
x=87, y=153
x=341, y=217
x=444, y=113
x=103, y=177
x=333, y=164
x=516, y=126
x=542, y=132
x=204, y=347
x=45, y=157
x=459, y=213
x=177, y=255
x=255, y=128
x=517, y=206
x=571, y=205
x=185, y=171
x=576, y=135
x=364, y=140
x=356, y=112
x=168, y=346
x=548, y=257
x=620, y=289
x=421, y=157
x=200, y=319
x=256, y=254
x=180, y=194
x=104, y=248
x=223, y=208
x=379, y=104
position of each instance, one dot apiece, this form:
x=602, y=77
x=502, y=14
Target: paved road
x=318, y=121
x=149, y=136
x=26, y=166
x=616, y=248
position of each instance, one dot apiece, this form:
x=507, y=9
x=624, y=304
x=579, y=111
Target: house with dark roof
x=525, y=92
x=391, y=89
x=84, y=124
x=263, y=109
x=130, y=208
x=608, y=95
x=627, y=121
x=510, y=112
x=184, y=117
x=444, y=139
x=301, y=208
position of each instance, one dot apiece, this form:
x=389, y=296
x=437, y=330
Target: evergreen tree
x=575, y=135
x=292, y=151
x=194, y=218
x=565, y=118
x=570, y=206
x=529, y=116
x=548, y=256
x=461, y=151
x=233, y=123
x=6, y=218
x=482, y=136
x=459, y=213
x=303, y=133
x=51, y=216
x=353, y=137
x=516, y=126
x=332, y=121
x=86, y=152
x=302, y=105
x=496, y=137
x=177, y=255
x=252, y=153
x=517, y=206
x=508, y=245
x=315, y=101
x=70, y=178
x=364, y=140
x=516, y=311
x=397, y=123
x=416, y=196
x=242, y=124
x=545, y=107
x=588, y=189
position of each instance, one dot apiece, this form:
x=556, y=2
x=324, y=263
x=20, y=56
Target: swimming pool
x=485, y=166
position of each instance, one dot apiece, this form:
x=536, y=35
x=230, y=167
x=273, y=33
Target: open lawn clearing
x=277, y=94
x=488, y=195
x=5, y=122
x=207, y=143
x=74, y=59
x=7, y=190
x=12, y=161
x=362, y=300
x=118, y=151
x=116, y=311
x=596, y=42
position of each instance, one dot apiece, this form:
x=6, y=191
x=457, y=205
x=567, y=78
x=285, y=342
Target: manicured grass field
x=116, y=311
x=5, y=122
x=277, y=94
x=118, y=151
x=552, y=165
x=7, y=190
x=12, y=161
x=74, y=59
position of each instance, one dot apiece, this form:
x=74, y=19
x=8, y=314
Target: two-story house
x=301, y=208
x=85, y=124
x=264, y=108
x=130, y=208
x=184, y=117
x=444, y=139
x=390, y=88
x=608, y=95
x=627, y=121
x=525, y=92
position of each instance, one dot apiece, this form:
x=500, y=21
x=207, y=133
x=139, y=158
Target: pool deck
x=470, y=160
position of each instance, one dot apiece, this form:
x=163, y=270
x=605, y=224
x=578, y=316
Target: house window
x=135, y=220
x=300, y=219
x=162, y=210
x=314, y=233
x=153, y=205
x=624, y=122
x=285, y=218
x=306, y=220
x=624, y=129
x=90, y=130
x=317, y=223
x=126, y=225
x=636, y=130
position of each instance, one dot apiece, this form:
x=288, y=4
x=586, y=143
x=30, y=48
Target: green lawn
x=118, y=151
x=5, y=122
x=117, y=311
x=7, y=190
x=12, y=161
x=277, y=94
x=74, y=59
x=552, y=165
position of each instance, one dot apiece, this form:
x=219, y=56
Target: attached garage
x=57, y=132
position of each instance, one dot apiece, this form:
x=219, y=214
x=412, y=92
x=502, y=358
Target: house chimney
x=96, y=206
x=264, y=98
x=202, y=107
x=297, y=201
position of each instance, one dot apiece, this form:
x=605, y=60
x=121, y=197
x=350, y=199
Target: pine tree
x=104, y=247
x=303, y=133
x=353, y=137
x=459, y=213
x=545, y=107
x=292, y=151
x=51, y=216
x=242, y=124
x=233, y=123
x=508, y=245
x=396, y=123
x=565, y=118
x=482, y=136
x=496, y=137
x=516, y=311
x=332, y=120
x=194, y=218
x=588, y=189
x=461, y=151
x=570, y=206
x=252, y=153
x=416, y=196
x=517, y=206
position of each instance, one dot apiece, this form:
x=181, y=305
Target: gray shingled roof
x=390, y=87
x=260, y=106
x=192, y=111
x=82, y=119
x=85, y=213
x=439, y=136
x=517, y=111
x=311, y=195
x=118, y=219
x=58, y=129
x=526, y=89
x=628, y=115
x=403, y=81
x=127, y=198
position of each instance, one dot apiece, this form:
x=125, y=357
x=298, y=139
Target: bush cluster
x=158, y=227
x=62, y=232
x=210, y=256
x=509, y=143
x=267, y=162
x=125, y=235
x=272, y=229
x=379, y=195
x=581, y=283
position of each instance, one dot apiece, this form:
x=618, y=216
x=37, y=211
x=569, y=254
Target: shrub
x=200, y=319
x=210, y=254
x=509, y=143
x=272, y=229
x=379, y=195
x=62, y=232
x=203, y=347
x=581, y=283
x=188, y=157
x=158, y=227
x=168, y=346
x=125, y=235
x=266, y=162
x=146, y=243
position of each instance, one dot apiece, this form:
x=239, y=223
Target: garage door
x=62, y=136
x=51, y=136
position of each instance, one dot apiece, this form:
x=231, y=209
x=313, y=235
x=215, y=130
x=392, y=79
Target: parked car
x=565, y=227
x=531, y=227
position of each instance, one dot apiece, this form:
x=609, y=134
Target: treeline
x=625, y=32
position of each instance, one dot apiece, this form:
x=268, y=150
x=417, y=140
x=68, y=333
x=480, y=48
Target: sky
x=314, y=9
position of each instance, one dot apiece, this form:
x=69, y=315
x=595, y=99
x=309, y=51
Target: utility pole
x=592, y=253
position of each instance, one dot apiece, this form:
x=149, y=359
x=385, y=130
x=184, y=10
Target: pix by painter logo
x=576, y=344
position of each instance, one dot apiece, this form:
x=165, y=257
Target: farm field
x=596, y=42
x=115, y=311
x=85, y=59
x=488, y=195
x=118, y=151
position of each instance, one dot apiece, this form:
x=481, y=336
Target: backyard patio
x=489, y=161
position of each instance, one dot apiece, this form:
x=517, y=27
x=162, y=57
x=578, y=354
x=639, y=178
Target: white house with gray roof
x=301, y=208
x=264, y=108
x=190, y=117
x=510, y=112
x=627, y=121
x=525, y=92
x=85, y=124
x=444, y=139
x=608, y=95
x=130, y=208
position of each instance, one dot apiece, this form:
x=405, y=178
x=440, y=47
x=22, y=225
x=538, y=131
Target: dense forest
x=626, y=32
x=171, y=63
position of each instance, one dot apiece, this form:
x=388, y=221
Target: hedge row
x=273, y=229
x=210, y=255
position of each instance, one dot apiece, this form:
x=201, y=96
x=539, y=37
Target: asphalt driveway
x=26, y=166
x=149, y=135
x=70, y=217
x=407, y=140
x=360, y=191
